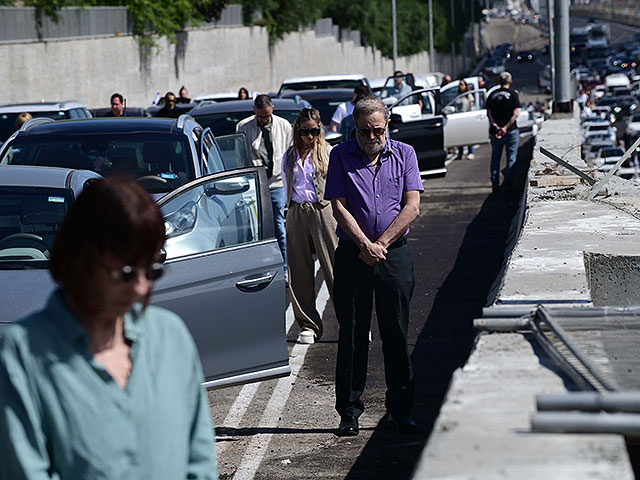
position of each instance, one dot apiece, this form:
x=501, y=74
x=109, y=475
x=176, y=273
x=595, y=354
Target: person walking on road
x=503, y=107
x=98, y=384
x=268, y=137
x=311, y=227
x=465, y=104
x=169, y=110
x=374, y=185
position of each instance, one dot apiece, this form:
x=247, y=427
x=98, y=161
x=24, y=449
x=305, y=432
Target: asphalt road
x=285, y=429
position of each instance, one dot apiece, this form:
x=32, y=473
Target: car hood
x=23, y=292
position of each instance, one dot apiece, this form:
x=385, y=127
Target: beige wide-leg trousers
x=310, y=229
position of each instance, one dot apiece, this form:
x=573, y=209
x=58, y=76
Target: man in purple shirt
x=374, y=185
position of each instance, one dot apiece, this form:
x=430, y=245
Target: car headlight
x=633, y=106
x=617, y=109
x=181, y=221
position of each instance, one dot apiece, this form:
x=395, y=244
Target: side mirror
x=448, y=110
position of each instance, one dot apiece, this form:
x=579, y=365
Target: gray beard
x=372, y=148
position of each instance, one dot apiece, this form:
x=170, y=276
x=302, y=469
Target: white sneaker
x=471, y=156
x=307, y=336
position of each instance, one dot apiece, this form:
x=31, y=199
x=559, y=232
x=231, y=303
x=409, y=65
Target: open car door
x=413, y=121
x=225, y=275
x=466, y=127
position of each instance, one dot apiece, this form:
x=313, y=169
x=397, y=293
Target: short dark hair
x=118, y=96
x=113, y=216
x=362, y=90
x=169, y=93
x=397, y=72
x=262, y=101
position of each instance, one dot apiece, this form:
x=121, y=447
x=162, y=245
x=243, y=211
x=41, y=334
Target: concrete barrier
x=613, y=279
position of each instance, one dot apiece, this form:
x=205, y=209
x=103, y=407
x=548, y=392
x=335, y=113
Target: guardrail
x=626, y=16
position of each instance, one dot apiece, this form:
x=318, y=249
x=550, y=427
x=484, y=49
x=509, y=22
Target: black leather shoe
x=403, y=424
x=348, y=427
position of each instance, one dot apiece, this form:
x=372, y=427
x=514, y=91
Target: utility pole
x=453, y=42
x=473, y=28
x=552, y=49
x=562, y=95
x=432, y=50
x=464, y=42
x=395, y=34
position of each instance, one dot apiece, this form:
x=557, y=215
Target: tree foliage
x=371, y=17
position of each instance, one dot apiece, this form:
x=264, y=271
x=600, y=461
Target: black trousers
x=354, y=285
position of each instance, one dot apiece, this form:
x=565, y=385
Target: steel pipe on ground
x=620, y=423
x=628, y=402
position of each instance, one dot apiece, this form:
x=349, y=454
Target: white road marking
x=258, y=444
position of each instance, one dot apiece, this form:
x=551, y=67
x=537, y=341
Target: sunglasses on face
x=306, y=131
x=366, y=131
x=128, y=273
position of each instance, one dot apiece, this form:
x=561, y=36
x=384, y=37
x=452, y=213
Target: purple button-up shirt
x=374, y=198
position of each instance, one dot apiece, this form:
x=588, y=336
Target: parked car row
x=225, y=273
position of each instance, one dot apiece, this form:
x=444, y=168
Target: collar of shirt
x=69, y=326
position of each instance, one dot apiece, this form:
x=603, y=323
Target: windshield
x=313, y=85
x=30, y=217
x=327, y=106
x=611, y=152
x=597, y=52
x=224, y=123
x=160, y=161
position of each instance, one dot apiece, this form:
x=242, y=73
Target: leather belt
x=304, y=206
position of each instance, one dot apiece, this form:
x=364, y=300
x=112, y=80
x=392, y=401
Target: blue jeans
x=278, y=200
x=510, y=141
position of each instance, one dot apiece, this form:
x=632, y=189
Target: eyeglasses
x=306, y=131
x=128, y=273
x=366, y=131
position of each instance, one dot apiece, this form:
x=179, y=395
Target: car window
x=418, y=100
x=234, y=151
x=75, y=113
x=448, y=94
x=8, y=121
x=211, y=158
x=212, y=215
x=30, y=217
x=326, y=107
x=160, y=162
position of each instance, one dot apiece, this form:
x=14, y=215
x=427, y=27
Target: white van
x=616, y=81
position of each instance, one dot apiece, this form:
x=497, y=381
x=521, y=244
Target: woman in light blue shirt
x=98, y=384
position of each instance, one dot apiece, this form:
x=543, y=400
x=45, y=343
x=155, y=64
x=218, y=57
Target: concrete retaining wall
x=204, y=59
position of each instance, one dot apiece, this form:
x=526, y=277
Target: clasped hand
x=373, y=253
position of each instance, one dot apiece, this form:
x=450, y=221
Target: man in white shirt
x=345, y=109
x=268, y=137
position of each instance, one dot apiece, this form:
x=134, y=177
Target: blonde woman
x=310, y=224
